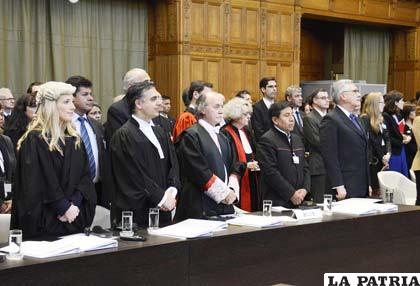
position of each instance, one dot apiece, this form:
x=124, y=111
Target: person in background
x=379, y=146
x=166, y=108
x=319, y=100
x=260, y=120
x=54, y=194
x=293, y=95
x=33, y=88
x=23, y=113
x=409, y=113
x=237, y=113
x=7, y=169
x=187, y=118
x=96, y=112
x=416, y=162
x=8, y=101
x=395, y=125
x=245, y=94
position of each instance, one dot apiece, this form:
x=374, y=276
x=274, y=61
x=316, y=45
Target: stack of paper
x=362, y=206
x=190, y=228
x=67, y=245
x=260, y=221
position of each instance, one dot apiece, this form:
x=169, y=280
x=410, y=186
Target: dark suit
x=280, y=177
x=102, y=186
x=344, y=149
x=297, y=129
x=311, y=124
x=8, y=152
x=260, y=120
x=117, y=116
x=394, y=133
x=164, y=123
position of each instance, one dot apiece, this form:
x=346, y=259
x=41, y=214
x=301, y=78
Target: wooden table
x=297, y=254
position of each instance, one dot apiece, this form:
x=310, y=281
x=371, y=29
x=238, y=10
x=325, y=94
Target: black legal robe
x=140, y=176
x=200, y=159
x=43, y=179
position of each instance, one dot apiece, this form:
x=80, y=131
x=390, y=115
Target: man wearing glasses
x=260, y=120
x=8, y=102
x=344, y=144
x=319, y=100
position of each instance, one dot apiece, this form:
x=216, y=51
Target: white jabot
x=2, y=163
x=245, y=142
x=146, y=128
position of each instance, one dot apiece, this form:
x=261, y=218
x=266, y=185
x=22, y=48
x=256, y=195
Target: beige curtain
x=366, y=54
x=42, y=40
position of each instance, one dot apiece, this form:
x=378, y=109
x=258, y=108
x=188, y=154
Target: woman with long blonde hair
x=54, y=194
x=379, y=146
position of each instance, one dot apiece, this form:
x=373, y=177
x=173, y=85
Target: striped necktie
x=86, y=141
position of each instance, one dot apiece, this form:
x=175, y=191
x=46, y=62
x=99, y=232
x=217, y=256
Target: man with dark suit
x=166, y=108
x=293, y=95
x=319, y=101
x=119, y=112
x=92, y=134
x=8, y=102
x=285, y=177
x=260, y=120
x=344, y=143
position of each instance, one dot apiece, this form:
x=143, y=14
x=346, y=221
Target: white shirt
x=289, y=137
x=245, y=142
x=213, y=131
x=268, y=102
x=92, y=140
x=320, y=112
x=345, y=111
x=146, y=128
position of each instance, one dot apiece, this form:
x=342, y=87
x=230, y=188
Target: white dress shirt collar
x=268, y=102
x=146, y=128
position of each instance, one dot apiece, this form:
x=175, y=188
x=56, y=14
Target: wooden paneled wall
x=233, y=43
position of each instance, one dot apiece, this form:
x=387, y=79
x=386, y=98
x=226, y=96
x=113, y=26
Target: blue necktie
x=353, y=119
x=86, y=141
x=299, y=118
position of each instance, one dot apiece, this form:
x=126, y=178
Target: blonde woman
x=237, y=114
x=54, y=193
x=379, y=146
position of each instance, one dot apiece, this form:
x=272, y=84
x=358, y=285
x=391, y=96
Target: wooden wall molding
x=233, y=43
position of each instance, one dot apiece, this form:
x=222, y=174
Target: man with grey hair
x=293, y=95
x=209, y=168
x=119, y=112
x=344, y=144
x=8, y=101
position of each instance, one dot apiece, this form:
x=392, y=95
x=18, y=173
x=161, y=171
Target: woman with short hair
x=54, y=194
x=237, y=113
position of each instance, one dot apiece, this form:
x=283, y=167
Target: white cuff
x=172, y=191
x=234, y=184
x=218, y=191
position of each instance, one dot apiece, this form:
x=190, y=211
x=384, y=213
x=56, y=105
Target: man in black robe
x=285, y=177
x=144, y=164
x=210, y=171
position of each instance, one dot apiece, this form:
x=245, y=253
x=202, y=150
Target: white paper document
x=259, y=221
x=67, y=245
x=279, y=209
x=362, y=206
x=190, y=228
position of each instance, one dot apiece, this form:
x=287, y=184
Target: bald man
x=119, y=112
x=209, y=169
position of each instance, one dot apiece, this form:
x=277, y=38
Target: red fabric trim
x=245, y=192
x=184, y=121
x=210, y=182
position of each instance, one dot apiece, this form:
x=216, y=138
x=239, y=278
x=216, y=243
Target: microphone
x=99, y=231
